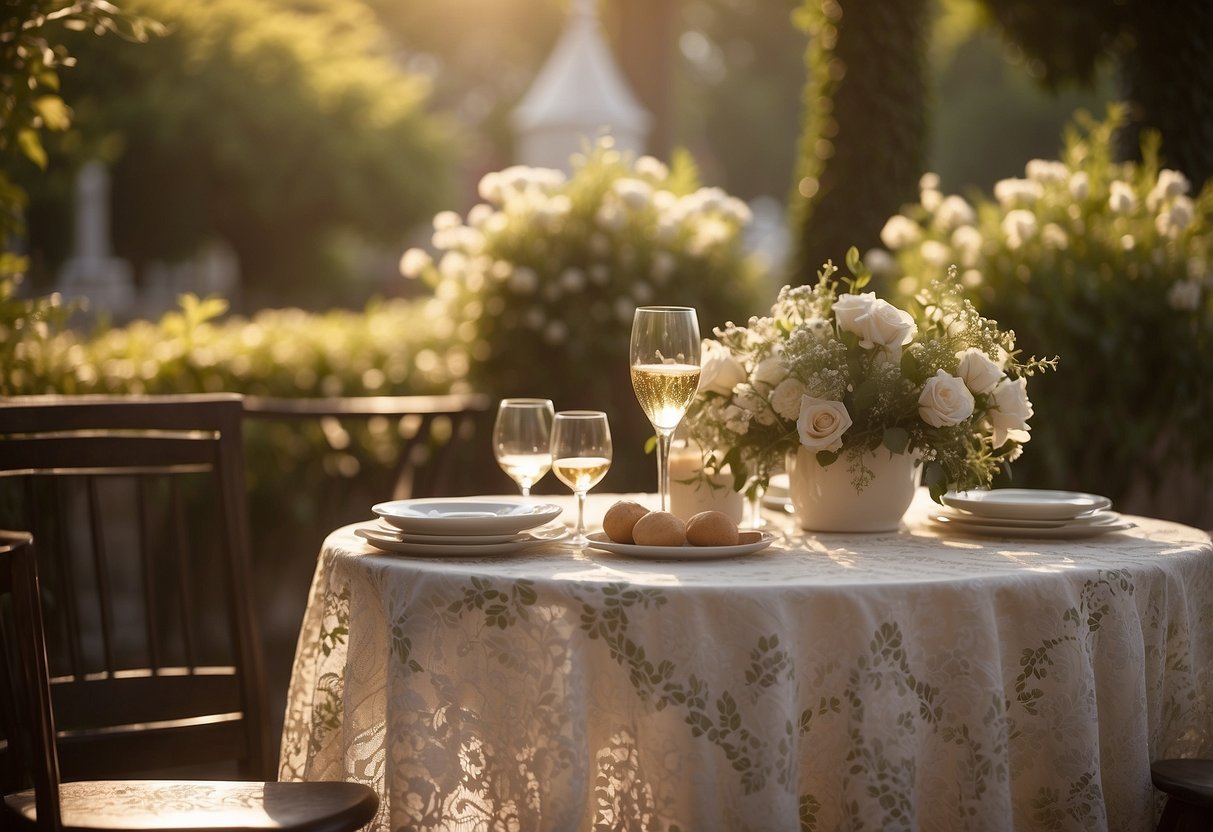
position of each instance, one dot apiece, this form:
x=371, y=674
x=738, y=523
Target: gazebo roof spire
x=580, y=85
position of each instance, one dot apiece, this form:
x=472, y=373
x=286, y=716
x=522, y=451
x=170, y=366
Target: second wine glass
x=581, y=456
x=665, y=374
x=522, y=440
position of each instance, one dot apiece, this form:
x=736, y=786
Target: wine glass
x=665, y=374
x=521, y=440
x=581, y=456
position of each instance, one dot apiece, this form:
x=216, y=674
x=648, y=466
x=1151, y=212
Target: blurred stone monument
x=91, y=272
x=578, y=95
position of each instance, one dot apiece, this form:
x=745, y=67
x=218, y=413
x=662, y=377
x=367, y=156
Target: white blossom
x=1054, y=237
x=1121, y=198
x=935, y=253
x=652, y=168
x=900, y=231
x=1184, y=296
x=1175, y=218
x=414, y=261
x=1171, y=183
x=955, y=211
x=1010, y=192
x=1019, y=226
x=785, y=398
x=1046, y=170
x=1080, y=185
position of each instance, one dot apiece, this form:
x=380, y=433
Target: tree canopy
x=277, y=126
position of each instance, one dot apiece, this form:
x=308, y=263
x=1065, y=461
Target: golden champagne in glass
x=665, y=374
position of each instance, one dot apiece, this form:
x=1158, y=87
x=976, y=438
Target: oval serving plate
x=760, y=541
x=391, y=542
x=1026, y=503
x=464, y=516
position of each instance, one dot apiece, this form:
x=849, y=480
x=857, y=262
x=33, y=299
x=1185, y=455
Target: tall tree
x=863, y=144
x=1162, y=55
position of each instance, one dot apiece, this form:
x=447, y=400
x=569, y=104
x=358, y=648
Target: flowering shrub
x=845, y=373
x=544, y=275
x=1109, y=265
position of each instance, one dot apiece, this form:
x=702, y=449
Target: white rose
x=719, y=371
x=979, y=372
x=849, y=308
x=945, y=400
x=769, y=372
x=746, y=397
x=822, y=423
x=786, y=398
x=1011, y=411
x=877, y=322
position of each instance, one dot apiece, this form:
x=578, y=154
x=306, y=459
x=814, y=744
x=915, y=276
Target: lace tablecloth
x=908, y=680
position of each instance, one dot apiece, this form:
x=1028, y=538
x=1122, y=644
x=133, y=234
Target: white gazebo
x=577, y=96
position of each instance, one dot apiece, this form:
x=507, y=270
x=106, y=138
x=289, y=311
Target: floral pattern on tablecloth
x=885, y=682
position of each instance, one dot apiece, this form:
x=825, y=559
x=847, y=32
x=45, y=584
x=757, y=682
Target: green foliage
x=1111, y=265
x=863, y=143
x=278, y=128
x=31, y=54
x=544, y=276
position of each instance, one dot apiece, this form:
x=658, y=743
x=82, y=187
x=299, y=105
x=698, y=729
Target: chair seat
x=1189, y=780
x=207, y=805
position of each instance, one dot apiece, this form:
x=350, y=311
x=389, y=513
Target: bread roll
x=620, y=518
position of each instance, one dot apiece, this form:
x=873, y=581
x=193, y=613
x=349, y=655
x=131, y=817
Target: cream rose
x=822, y=423
x=877, y=322
x=979, y=372
x=786, y=398
x=945, y=400
x=1011, y=411
x=719, y=371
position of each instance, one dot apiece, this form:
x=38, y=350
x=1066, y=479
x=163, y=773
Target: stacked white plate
x=461, y=527
x=1029, y=512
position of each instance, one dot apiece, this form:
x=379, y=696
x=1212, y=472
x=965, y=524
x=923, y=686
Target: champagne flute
x=521, y=440
x=665, y=374
x=581, y=456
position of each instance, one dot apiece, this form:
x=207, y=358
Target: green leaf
x=650, y=444
x=935, y=479
x=826, y=458
x=31, y=146
x=55, y=114
x=896, y=439
x=853, y=262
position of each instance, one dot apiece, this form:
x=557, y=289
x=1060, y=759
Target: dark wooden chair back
x=138, y=507
x=428, y=428
x=26, y=713
x=55, y=805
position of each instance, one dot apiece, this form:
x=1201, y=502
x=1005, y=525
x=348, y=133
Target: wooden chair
x=1188, y=785
x=138, y=506
x=55, y=806
x=426, y=425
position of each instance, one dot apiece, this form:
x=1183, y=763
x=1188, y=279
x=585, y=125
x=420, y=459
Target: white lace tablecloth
x=908, y=680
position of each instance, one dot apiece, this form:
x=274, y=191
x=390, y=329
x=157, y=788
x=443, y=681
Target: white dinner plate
x=391, y=542
x=1066, y=531
x=464, y=516
x=759, y=541
x=382, y=525
x=1092, y=518
x=1026, y=503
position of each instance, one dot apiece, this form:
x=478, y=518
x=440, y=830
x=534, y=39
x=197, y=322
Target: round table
x=909, y=680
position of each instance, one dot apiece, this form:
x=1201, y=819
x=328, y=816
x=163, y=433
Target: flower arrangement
x=543, y=276
x=845, y=373
x=1111, y=265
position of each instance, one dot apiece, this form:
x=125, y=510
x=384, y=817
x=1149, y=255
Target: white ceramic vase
x=826, y=500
